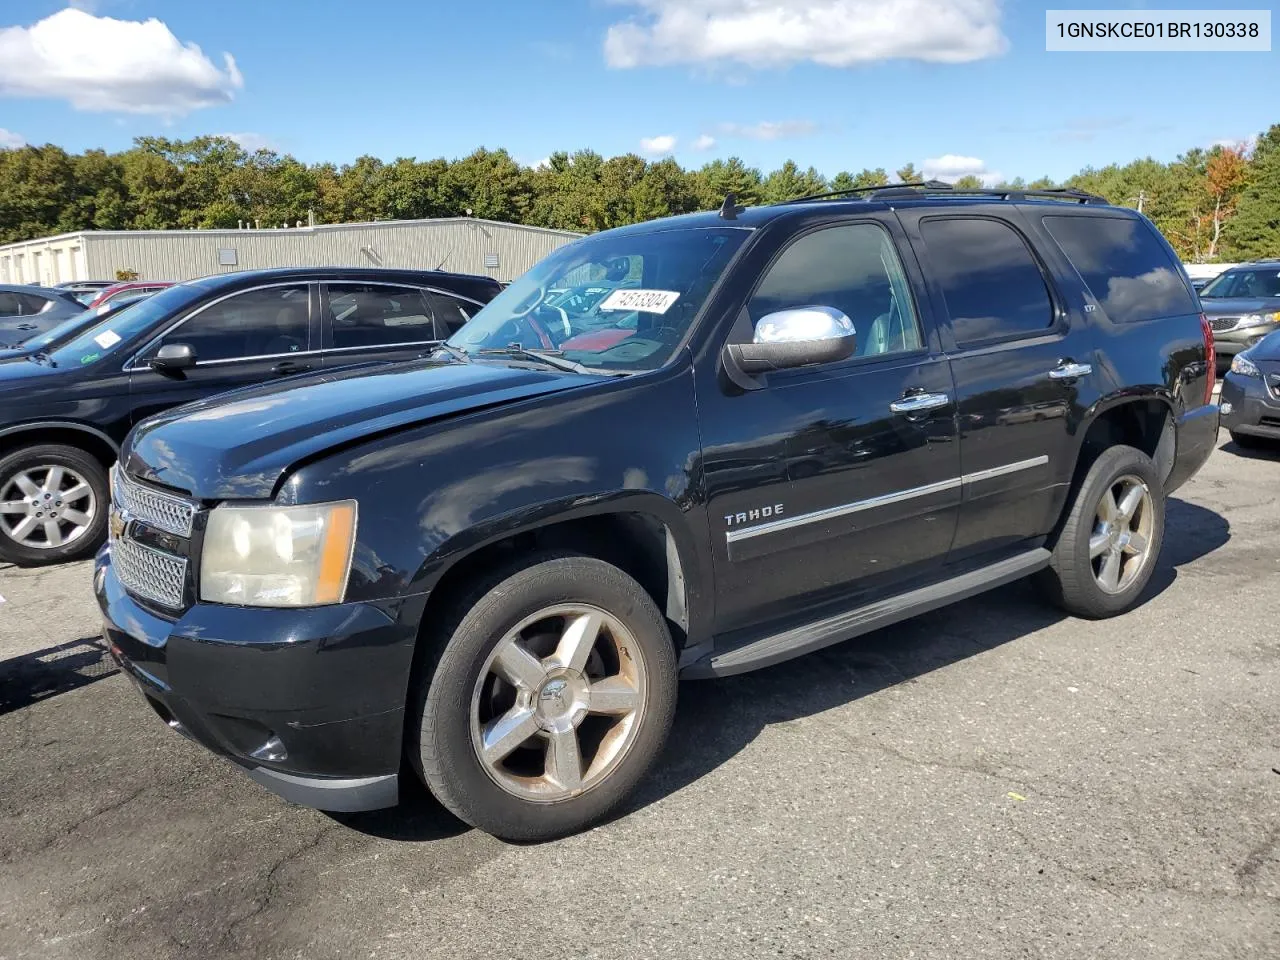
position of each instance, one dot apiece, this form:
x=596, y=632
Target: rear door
x=244, y=338
x=1022, y=359
x=364, y=321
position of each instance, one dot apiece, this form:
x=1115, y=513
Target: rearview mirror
x=174, y=356
x=790, y=338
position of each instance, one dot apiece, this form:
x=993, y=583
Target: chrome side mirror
x=790, y=338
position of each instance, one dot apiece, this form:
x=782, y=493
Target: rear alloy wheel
x=552, y=695
x=53, y=505
x=1111, y=537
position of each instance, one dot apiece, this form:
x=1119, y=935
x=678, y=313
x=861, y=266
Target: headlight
x=1249, y=319
x=1244, y=366
x=278, y=556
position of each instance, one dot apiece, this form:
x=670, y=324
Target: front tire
x=552, y=695
x=53, y=504
x=1107, y=549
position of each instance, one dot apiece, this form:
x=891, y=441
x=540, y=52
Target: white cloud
x=656, y=146
x=10, y=140
x=250, y=141
x=834, y=33
x=950, y=167
x=704, y=142
x=769, y=130
x=107, y=65
x=1234, y=143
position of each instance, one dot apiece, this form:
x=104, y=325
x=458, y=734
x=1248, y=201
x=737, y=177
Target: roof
x=750, y=218
x=32, y=288
x=239, y=277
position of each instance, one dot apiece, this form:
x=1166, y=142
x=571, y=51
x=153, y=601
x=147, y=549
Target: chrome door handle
x=920, y=401
x=1070, y=371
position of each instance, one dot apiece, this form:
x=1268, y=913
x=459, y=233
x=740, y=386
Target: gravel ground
x=992, y=780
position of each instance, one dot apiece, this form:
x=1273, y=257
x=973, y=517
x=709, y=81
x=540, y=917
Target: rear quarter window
x=1128, y=270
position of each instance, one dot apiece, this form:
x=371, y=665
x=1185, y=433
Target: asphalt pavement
x=991, y=780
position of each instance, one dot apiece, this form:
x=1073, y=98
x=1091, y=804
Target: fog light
x=1225, y=408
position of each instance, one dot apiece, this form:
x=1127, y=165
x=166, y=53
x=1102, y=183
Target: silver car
x=27, y=311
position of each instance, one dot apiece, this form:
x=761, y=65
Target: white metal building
x=460, y=244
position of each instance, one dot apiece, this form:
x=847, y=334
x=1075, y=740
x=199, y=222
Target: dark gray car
x=27, y=311
x=1243, y=306
x=1251, y=394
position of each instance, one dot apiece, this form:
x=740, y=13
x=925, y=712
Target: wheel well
x=637, y=543
x=1144, y=424
x=90, y=443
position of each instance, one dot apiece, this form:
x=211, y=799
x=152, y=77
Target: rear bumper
x=1197, y=436
x=309, y=703
x=1249, y=407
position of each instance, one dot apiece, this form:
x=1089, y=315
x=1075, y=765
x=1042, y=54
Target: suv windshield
x=121, y=328
x=1245, y=283
x=619, y=303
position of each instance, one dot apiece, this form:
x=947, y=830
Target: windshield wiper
x=455, y=352
x=39, y=356
x=552, y=358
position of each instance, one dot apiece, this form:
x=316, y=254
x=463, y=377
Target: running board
x=852, y=623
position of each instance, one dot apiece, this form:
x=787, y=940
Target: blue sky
x=839, y=84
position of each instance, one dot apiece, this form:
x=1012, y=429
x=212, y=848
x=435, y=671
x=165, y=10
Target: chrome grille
x=161, y=510
x=150, y=574
x=1222, y=324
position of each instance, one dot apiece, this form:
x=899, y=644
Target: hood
x=1267, y=350
x=18, y=370
x=1238, y=306
x=239, y=445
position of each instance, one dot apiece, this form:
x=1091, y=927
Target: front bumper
x=309, y=702
x=1249, y=407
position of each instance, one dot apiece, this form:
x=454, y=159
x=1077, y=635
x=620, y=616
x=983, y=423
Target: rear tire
x=551, y=695
x=54, y=501
x=1110, y=541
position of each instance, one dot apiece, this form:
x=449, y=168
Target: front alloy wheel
x=559, y=702
x=551, y=694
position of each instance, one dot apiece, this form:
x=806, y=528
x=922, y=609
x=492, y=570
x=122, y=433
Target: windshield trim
x=695, y=324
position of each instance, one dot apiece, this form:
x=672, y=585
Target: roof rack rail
x=936, y=187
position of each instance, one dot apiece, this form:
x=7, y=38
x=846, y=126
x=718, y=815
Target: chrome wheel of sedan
x=1120, y=545
x=559, y=702
x=46, y=507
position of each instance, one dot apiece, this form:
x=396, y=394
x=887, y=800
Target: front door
x=837, y=479
x=245, y=338
x=1022, y=357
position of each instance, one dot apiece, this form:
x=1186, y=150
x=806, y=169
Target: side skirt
x=808, y=637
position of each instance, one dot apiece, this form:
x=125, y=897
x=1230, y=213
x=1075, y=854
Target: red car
x=131, y=288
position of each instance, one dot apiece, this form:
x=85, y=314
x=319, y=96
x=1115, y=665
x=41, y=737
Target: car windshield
x=1245, y=283
x=619, y=303
x=120, y=329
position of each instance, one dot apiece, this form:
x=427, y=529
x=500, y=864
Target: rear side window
x=992, y=283
x=371, y=315
x=450, y=312
x=1124, y=265
x=31, y=303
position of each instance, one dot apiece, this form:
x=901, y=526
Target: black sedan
x=1250, y=398
x=65, y=410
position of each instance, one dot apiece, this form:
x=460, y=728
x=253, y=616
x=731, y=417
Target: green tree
x=908, y=174
x=721, y=177
x=1254, y=231
x=969, y=182
x=789, y=182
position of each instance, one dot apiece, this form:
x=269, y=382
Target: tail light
x=1210, y=359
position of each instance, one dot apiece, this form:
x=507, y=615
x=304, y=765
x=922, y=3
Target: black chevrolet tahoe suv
x=777, y=428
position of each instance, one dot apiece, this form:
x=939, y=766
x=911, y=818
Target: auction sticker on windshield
x=107, y=339
x=646, y=301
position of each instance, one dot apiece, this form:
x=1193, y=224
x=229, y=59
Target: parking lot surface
x=990, y=780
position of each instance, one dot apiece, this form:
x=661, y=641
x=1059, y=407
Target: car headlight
x=1253, y=319
x=269, y=556
x=1242, y=365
